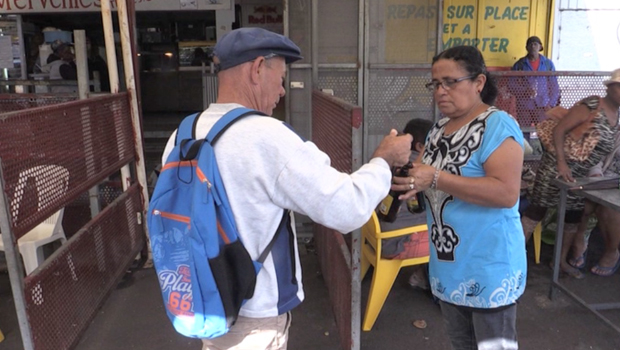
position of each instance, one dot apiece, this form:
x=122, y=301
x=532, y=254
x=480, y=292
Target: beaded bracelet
x=435, y=179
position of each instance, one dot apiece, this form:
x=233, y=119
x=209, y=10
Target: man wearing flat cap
x=268, y=169
x=534, y=95
x=61, y=66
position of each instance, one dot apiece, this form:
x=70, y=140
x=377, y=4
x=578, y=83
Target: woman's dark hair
x=471, y=59
x=418, y=128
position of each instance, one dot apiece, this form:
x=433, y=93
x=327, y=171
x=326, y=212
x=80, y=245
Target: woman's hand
x=423, y=175
x=419, y=179
x=564, y=171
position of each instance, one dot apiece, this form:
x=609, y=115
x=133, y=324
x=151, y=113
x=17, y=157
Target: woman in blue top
x=470, y=174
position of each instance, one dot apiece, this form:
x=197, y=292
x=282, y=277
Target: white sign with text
x=47, y=6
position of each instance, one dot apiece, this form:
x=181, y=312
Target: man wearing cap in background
x=61, y=65
x=534, y=95
x=267, y=169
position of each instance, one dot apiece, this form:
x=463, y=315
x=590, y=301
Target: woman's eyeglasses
x=447, y=84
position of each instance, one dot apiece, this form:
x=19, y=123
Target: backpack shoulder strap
x=187, y=128
x=216, y=131
x=284, y=221
x=227, y=120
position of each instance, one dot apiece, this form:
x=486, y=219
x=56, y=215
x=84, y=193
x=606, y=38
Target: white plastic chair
x=50, y=180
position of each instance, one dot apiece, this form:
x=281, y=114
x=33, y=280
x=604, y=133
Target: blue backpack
x=205, y=273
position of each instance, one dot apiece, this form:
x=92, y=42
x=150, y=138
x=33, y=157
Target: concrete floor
x=561, y=324
x=133, y=317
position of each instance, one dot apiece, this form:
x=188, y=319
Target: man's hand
x=394, y=149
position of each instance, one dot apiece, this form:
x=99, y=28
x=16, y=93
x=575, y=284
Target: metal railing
x=90, y=140
x=332, y=123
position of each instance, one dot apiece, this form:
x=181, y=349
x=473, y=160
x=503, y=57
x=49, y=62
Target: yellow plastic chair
x=537, y=239
x=385, y=270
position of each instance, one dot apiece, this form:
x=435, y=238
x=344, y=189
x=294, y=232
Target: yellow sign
x=410, y=30
x=499, y=29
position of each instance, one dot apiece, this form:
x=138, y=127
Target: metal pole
x=128, y=66
x=203, y=79
x=81, y=58
x=559, y=236
x=553, y=30
x=135, y=114
x=81, y=61
x=22, y=49
x=439, y=46
x=366, y=83
x=315, y=43
x=315, y=54
x=133, y=36
x=357, y=143
x=15, y=267
x=287, y=79
x=358, y=135
x=110, y=49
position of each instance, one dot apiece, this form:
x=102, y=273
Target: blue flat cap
x=246, y=44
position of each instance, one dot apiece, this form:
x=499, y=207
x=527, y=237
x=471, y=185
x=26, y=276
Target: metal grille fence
x=63, y=297
x=332, y=122
x=51, y=156
x=335, y=260
x=397, y=95
x=90, y=139
x=526, y=95
x=342, y=82
x=16, y=102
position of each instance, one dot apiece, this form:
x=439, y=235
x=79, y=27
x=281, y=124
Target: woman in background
x=608, y=219
x=552, y=166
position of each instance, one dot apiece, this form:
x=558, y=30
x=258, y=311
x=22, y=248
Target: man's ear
x=256, y=69
x=418, y=146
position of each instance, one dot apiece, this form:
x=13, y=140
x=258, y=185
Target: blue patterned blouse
x=478, y=256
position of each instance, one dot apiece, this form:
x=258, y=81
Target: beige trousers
x=270, y=333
